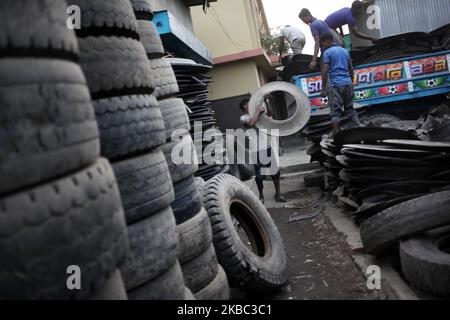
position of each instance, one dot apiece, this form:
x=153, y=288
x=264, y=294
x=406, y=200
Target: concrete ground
x=323, y=246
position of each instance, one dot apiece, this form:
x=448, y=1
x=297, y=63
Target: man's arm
x=354, y=31
x=253, y=120
x=341, y=31
x=325, y=69
x=313, y=63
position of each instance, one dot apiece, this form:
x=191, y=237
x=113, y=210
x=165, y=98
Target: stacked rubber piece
x=320, y=125
x=62, y=229
x=403, y=46
x=399, y=188
x=123, y=85
x=203, y=276
x=193, y=82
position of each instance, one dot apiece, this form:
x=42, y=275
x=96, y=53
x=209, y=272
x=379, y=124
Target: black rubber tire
x=77, y=220
x=153, y=249
x=150, y=38
x=175, y=116
x=425, y=265
x=36, y=28
x=115, y=66
x=218, y=289
x=183, y=170
x=258, y=273
x=404, y=220
x=114, y=289
x=187, y=201
x=143, y=9
x=168, y=286
x=164, y=80
x=188, y=295
x=377, y=120
x=195, y=236
x=129, y=124
x=202, y=270
x=200, y=183
x=370, y=134
x=100, y=17
x=145, y=185
x=47, y=123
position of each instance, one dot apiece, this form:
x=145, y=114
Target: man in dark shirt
x=338, y=69
x=317, y=28
x=346, y=16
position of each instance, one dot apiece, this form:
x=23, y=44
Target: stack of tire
x=193, y=82
x=121, y=82
x=203, y=275
x=60, y=207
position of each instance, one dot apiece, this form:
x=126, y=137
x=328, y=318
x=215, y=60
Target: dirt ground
x=320, y=262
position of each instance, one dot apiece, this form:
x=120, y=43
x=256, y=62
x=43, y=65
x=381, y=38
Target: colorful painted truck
x=387, y=81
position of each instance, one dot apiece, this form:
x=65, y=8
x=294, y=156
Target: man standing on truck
x=318, y=27
x=338, y=68
x=294, y=36
x=259, y=144
x=346, y=16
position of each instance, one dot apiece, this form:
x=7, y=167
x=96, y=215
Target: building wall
x=178, y=8
x=234, y=79
x=230, y=26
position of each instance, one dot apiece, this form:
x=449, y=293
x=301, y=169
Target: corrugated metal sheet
x=400, y=16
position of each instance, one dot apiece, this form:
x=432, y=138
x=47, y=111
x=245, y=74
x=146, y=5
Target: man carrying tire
x=318, y=27
x=261, y=146
x=346, y=16
x=338, y=68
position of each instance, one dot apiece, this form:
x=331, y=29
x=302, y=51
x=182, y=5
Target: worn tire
x=218, y=289
x=36, y=28
x=164, y=80
x=143, y=9
x=425, y=265
x=175, y=116
x=144, y=184
x=153, y=249
x=167, y=286
x=187, y=201
x=114, y=289
x=47, y=123
x=188, y=295
x=201, y=270
x=181, y=169
x=195, y=237
x=112, y=17
x=115, y=66
x=289, y=126
x=129, y=124
x=76, y=220
x=404, y=220
x=245, y=269
x=150, y=38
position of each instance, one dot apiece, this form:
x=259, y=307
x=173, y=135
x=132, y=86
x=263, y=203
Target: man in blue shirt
x=317, y=28
x=338, y=71
x=346, y=16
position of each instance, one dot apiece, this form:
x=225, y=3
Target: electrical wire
x=217, y=19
